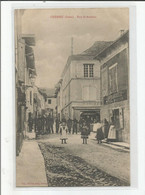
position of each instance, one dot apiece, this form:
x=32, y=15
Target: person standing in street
x=84, y=132
x=39, y=124
x=88, y=122
x=57, y=124
x=35, y=123
x=30, y=123
x=75, y=126
x=112, y=131
x=69, y=125
x=106, y=128
x=51, y=124
x=99, y=135
x=81, y=123
x=43, y=124
x=48, y=124
x=63, y=132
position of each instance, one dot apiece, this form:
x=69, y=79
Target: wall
x=75, y=86
x=120, y=57
x=124, y=134
x=122, y=72
x=52, y=105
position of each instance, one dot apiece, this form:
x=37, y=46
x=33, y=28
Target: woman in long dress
x=99, y=135
x=112, y=131
x=106, y=128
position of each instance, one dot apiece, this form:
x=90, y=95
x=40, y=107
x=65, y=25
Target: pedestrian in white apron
x=63, y=132
x=112, y=131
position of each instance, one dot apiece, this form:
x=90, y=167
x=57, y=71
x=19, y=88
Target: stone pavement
x=30, y=169
x=66, y=170
x=114, y=161
x=114, y=145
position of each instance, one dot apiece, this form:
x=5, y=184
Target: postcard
x=72, y=96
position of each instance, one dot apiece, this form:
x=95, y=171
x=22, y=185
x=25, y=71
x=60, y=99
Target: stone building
x=39, y=102
x=28, y=41
x=58, y=92
x=24, y=78
x=81, y=84
x=114, y=94
x=50, y=101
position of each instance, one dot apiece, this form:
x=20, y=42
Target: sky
x=53, y=29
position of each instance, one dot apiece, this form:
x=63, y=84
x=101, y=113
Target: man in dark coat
x=106, y=128
x=39, y=124
x=99, y=135
x=57, y=124
x=75, y=122
x=35, y=123
x=81, y=123
x=51, y=124
x=48, y=124
x=88, y=122
x=43, y=120
x=69, y=125
x=30, y=123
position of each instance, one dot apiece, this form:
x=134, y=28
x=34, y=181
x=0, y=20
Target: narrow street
x=79, y=96
x=76, y=164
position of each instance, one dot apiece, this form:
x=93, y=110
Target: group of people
x=65, y=128
x=42, y=124
x=45, y=125
x=105, y=130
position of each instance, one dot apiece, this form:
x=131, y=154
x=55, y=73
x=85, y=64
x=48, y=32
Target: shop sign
x=116, y=97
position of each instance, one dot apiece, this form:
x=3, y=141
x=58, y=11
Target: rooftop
x=123, y=38
x=90, y=53
x=48, y=91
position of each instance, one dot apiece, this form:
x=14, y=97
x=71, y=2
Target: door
x=116, y=122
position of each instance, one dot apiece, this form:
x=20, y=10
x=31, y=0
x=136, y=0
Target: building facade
x=25, y=73
x=81, y=85
x=50, y=101
x=58, y=93
x=50, y=105
x=114, y=85
x=39, y=102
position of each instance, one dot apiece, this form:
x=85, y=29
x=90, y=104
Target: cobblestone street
x=64, y=168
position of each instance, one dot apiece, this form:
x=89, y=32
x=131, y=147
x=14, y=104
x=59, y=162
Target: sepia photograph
x=72, y=97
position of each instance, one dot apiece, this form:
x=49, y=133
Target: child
x=63, y=132
x=84, y=132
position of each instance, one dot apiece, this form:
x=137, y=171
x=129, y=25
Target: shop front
x=118, y=114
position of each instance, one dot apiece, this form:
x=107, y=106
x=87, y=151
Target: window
x=113, y=86
x=49, y=101
x=88, y=70
x=91, y=70
x=89, y=93
x=85, y=70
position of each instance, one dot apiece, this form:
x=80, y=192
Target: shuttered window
x=88, y=70
x=113, y=83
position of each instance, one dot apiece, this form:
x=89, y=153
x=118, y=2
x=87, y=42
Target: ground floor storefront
x=119, y=112
x=82, y=109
